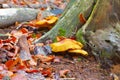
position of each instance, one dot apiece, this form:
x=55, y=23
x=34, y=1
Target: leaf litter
x=22, y=60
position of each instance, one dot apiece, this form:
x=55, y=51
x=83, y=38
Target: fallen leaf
x=63, y=73
x=82, y=18
x=24, y=30
x=32, y=70
x=44, y=58
x=46, y=72
x=11, y=63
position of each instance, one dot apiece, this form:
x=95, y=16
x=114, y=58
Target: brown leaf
x=82, y=18
x=44, y=58
x=63, y=73
x=24, y=48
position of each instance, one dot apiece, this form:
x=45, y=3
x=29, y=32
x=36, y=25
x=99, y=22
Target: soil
x=80, y=68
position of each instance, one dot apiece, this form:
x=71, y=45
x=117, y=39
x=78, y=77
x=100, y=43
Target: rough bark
x=102, y=30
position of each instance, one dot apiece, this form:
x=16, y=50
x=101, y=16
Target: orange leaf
x=45, y=58
x=32, y=71
x=82, y=18
x=11, y=63
x=1, y=77
x=15, y=1
x=46, y=72
x=21, y=66
x=24, y=30
x=13, y=38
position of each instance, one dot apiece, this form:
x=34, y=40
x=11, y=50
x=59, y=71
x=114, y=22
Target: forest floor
x=66, y=66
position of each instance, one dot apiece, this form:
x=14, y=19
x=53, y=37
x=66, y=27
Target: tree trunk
x=102, y=30
x=69, y=21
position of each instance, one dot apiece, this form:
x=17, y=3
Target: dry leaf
x=46, y=72
x=82, y=18
x=44, y=58
x=11, y=63
x=63, y=73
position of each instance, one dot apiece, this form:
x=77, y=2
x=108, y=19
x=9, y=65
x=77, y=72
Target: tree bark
x=102, y=30
x=69, y=21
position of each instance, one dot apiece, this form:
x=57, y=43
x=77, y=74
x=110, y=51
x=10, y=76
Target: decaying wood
x=102, y=30
x=10, y=16
x=69, y=20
